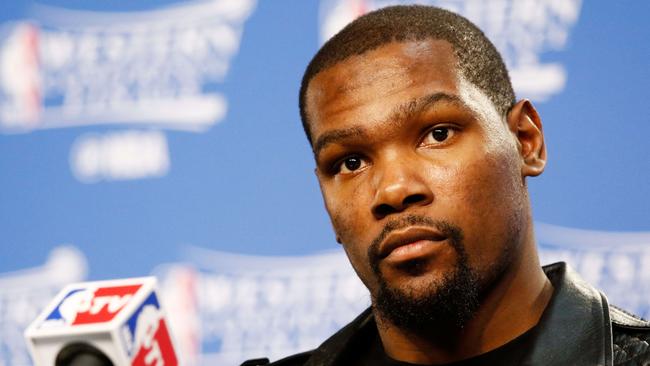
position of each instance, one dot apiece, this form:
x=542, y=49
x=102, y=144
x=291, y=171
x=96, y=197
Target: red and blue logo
x=92, y=305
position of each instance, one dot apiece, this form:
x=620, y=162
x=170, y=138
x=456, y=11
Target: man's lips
x=408, y=243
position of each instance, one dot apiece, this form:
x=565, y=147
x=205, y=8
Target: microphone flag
x=123, y=319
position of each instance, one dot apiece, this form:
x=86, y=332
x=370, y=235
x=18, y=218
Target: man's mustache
x=449, y=230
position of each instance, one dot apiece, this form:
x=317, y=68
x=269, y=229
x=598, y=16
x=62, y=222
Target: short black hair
x=478, y=60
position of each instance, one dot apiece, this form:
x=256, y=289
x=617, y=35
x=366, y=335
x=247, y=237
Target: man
x=422, y=154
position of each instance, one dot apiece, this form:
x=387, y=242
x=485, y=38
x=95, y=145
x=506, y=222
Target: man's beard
x=440, y=306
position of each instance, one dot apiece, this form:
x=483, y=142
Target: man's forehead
x=387, y=60
x=400, y=71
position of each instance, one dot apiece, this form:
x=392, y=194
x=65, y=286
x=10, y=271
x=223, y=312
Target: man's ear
x=525, y=124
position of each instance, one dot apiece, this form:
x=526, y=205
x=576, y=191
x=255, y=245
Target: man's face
x=420, y=174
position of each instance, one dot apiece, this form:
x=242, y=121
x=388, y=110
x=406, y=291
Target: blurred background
x=163, y=138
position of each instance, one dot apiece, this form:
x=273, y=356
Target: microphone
x=103, y=323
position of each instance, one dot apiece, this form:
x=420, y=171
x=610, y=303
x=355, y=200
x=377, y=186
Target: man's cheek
x=344, y=211
x=331, y=206
x=346, y=227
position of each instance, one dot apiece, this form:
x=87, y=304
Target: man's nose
x=401, y=185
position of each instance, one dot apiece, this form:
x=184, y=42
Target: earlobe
x=525, y=124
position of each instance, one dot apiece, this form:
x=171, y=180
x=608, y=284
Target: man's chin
x=414, y=286
x=417, y=278
x=420, y=302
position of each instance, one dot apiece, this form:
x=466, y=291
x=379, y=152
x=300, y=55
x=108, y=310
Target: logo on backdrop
x=252, y=306
x=157, y=69
x=521, y=30
x=616, y=262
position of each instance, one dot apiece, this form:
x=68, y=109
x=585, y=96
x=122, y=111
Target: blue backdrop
x=137, y=134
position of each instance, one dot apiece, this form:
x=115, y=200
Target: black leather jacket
x=578, y=328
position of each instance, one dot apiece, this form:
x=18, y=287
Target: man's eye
x=438, y=135
x=350, y=164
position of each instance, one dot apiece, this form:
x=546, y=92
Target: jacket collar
x=575, y=328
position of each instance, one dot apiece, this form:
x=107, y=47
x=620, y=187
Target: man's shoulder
x=298, y=359
x=631, y=338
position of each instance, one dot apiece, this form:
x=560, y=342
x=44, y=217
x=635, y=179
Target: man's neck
x=512, y=307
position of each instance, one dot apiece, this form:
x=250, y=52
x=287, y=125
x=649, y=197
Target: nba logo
x=91, y=306
x=20, y=77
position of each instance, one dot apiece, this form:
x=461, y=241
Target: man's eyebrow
x=399, y=115
x=334, y=136
x=421, y=104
